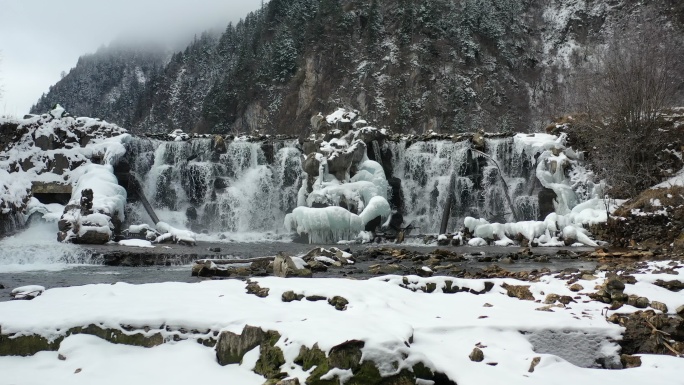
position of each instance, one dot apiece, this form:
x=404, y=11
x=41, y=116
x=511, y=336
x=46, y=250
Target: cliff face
x=443, y=65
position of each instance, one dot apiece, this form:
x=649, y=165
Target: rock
x=638, y=302
x=576, y=287
x=288, y=381
x=629, y=362
x=318, y=123
x=659, y=306
x=519, y=291
x=231, y=347
x=92, y=237
x=317, y=266
x=551, y=298
x=614, y=285
x=314, y=298
x=311, y=164
x=290, y=296
x=384, y=269
x=285, y=267
x=680, y=310
x=28, y=292
x=424, y=272
x=533, y=364
x=219, y=145
x=673, y=285
x=254, y=288
x=340, y=303
x=476, y=355
x=478, y=141
x=565, y=299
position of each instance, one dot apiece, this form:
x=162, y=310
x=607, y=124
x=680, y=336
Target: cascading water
x=248, y=187
x=426, y=169
x=37, y=248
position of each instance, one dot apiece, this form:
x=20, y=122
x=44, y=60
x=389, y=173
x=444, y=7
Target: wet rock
x=476, y=355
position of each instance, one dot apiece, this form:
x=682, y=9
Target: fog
x=39, y=38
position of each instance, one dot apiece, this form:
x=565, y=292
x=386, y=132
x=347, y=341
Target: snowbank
x=399, y=324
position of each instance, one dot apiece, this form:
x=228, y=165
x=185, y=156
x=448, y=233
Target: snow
x=136, y=243
x=677, y=180
x=27, y=291
x=443, y=329
x=169, y=232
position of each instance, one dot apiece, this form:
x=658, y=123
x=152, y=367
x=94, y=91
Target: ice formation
x=578, y=199
x=345, y=191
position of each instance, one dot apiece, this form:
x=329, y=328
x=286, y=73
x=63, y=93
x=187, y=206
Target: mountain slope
x=444, y=65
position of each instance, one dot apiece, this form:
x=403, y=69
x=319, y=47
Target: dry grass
x=672, y=197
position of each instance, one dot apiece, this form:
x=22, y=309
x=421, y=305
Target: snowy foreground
x=400, y=328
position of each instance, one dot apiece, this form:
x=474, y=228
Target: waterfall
x=425, y=169
x=248, y=188
x=251, y=186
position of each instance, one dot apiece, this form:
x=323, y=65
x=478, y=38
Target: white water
x=37, y=248
x=239, y=192
x=425, y=169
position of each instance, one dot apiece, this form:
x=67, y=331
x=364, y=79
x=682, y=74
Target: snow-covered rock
x=343, y=192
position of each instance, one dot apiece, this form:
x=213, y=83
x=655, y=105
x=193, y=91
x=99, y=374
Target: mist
x=39, y=38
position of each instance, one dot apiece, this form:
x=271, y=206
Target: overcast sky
x=41, y=38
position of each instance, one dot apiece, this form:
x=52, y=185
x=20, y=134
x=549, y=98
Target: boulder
x=284, y=266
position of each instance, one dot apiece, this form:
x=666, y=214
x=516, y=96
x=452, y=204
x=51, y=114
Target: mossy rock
x=31, y=344
x=231, y=347
x=117, y=336
x=308, y=358
x=270, y=360
x=271, y=357
x=26, y=345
